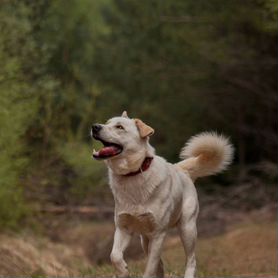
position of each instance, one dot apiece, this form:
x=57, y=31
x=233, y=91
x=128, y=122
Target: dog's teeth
x=95, y=152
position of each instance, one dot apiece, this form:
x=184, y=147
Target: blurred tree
x=17, y=107
x=188, y=66
x=66, y=38
x=69, y=37
x=183, y=66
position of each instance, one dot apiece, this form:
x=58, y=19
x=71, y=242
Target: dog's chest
x=136, y=222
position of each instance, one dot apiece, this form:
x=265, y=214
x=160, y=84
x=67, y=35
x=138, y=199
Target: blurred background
x=184, y=67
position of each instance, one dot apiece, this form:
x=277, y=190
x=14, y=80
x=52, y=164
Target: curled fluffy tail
x=206, y=154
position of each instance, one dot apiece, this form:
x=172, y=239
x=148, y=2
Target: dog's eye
x=119, y=126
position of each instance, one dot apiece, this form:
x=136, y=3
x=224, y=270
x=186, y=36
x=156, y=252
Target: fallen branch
x=88, y=210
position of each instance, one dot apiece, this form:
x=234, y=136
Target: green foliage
x=89, y=176
x=182, y=66
x=70, y=37
x=188, y=66
x=17, y=107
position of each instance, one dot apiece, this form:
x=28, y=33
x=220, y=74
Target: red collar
x=144, y=167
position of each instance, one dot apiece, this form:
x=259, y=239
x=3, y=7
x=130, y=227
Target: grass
x=248, y=250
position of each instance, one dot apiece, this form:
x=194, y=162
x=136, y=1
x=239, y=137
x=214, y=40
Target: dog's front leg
x=154, y=252
x=121, y=241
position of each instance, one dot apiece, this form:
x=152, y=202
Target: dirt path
x=247, y=250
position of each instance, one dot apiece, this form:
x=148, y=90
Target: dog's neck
x=131, y=191
x=131, y=162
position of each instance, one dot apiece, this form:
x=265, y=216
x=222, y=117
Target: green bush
x=89, y=178
x=18, y=106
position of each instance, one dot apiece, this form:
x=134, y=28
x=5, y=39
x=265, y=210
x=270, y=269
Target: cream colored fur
x=161, y=197
x=206, y=154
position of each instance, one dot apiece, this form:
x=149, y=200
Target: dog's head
x=121, y=136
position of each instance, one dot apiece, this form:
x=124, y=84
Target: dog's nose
x=96, y=128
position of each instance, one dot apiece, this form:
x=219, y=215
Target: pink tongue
x=108, y=151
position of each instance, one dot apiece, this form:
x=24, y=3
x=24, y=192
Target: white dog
x=152, y=195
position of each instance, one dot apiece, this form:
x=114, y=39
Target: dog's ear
x=124, y=114
x=144, y=130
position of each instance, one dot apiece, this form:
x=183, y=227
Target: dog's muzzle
x=109, y=149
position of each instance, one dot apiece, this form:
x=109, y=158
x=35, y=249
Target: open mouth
x=108, y=150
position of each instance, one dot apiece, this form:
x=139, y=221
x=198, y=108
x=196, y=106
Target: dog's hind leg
x=145, y=245
x=121, y=241
x=188, y=233
x=154, y=264
x=160, y=269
